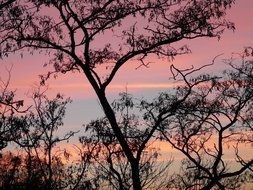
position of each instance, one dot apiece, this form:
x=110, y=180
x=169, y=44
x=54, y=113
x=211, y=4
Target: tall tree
x=71, y=31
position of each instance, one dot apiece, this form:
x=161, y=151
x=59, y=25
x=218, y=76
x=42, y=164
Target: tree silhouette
x=9, y=107
x=201, y=119
x=109, y=163
x=214, y=118
x=71, y=32
x=39, y=163
x=9, y=167
x=39, y=137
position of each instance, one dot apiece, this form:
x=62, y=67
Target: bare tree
x=71, y=33
x=214, y=118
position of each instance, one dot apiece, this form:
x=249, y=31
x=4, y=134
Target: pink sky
x=26, y=70
x=143, y=82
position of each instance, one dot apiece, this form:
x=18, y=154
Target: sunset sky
x=141, y=82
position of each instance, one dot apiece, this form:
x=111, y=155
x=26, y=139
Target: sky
x=141, y=82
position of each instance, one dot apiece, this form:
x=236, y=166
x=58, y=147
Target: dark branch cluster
x=73, y=29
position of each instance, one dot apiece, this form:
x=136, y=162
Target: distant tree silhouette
x=9, y=107
x=40, y=164
x=28, y=172
x=71, y=32
x=10, y=166
x=39, y=138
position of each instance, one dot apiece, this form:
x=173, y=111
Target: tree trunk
x=109, y=112
x=209, y=186
x=136, y=175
